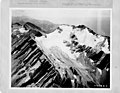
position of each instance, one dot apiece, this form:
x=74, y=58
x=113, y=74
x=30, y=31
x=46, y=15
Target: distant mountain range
x=46, y=26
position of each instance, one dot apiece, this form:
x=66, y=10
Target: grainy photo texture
x=60, y=48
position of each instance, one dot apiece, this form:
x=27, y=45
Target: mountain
x=67, y=57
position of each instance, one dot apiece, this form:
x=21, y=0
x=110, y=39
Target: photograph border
x=25, y=88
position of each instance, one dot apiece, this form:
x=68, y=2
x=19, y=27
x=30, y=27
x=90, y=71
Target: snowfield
x=59, y=39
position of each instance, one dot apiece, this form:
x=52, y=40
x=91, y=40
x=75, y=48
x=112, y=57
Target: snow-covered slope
x=65, y=37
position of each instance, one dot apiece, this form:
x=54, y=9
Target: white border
x=10, y=17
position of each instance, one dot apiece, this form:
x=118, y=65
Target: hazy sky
x=60, y=15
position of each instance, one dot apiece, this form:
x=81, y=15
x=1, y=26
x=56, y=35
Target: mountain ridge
x=47, y=26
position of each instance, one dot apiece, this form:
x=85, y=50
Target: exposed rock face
x=71, y=56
